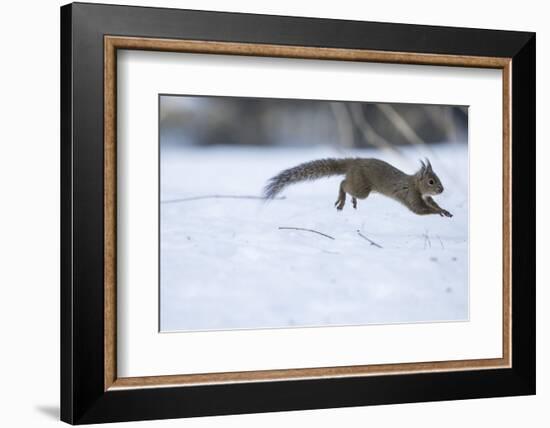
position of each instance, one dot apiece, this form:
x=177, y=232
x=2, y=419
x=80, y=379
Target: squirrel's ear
x=422, y=168
x=428, y=165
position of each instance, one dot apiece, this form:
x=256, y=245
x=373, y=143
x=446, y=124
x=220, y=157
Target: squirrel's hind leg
x=341, y=201
x=355, y=194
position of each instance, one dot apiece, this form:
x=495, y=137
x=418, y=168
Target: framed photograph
x=265, y=213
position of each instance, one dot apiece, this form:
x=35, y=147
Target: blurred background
x=197, y=120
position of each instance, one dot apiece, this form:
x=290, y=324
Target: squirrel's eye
x=431, y=182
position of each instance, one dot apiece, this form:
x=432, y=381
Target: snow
x=225, y=264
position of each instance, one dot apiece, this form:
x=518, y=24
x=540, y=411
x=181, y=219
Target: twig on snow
x=306, y=230
x=427, y=241
x=197, y=198
x=370, y=240
x=440, y=241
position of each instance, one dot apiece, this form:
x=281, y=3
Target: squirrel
x=363, y=176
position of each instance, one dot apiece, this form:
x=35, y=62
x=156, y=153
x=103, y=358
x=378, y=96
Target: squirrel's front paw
x=445, y=213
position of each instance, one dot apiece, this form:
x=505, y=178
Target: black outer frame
x=83, y=399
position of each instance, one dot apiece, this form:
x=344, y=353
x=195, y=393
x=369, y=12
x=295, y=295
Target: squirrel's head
x=427, y=181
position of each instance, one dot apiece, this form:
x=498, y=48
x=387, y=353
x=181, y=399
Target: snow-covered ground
x=225, y=264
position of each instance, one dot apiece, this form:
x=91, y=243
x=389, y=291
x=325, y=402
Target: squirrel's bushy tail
x=305, y=172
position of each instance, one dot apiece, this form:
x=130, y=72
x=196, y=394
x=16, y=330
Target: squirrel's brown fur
x=364, y=176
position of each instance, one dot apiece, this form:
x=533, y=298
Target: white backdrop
x=29, y=218
x=144, y=352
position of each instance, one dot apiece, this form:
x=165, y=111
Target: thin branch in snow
x=370, y=240
x=306, y=230
x=441, y=242
x=198, y=198
x=330, y=252
x=427, y=241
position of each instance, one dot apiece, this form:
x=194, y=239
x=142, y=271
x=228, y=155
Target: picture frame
x=91, y=36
